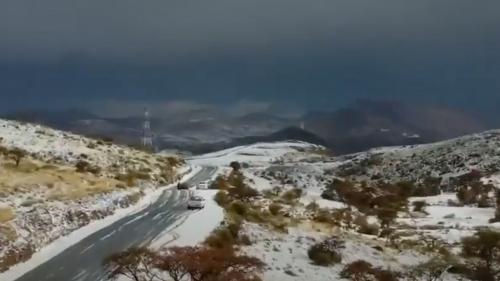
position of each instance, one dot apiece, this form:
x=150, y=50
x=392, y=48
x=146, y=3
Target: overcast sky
x=303, y=54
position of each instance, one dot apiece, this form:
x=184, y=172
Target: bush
x=17, y=155
x=292, y=195
x=243, y=192
x=234, y=228
x=330, y=194
x=220, y=238
x=275, y=209
x=235, y=165
x=312, y=207
x=219, y=183
x=326, y=253
x=82, y=166
x=323, y=215
x=239, y=208
x=419, y=206
x=222, y=198
x=362, y=270
x=386, y=216
x=484, y=248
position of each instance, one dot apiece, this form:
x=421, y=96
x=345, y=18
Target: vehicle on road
x=203, y=185
x=196, y=202
x=182, y=186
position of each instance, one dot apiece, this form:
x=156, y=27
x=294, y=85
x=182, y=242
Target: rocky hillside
x=53, y=182
x=442, y=160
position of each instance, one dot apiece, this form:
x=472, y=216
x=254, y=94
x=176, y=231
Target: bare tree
x=135, y=264
x=184, y=263
x=17, y=155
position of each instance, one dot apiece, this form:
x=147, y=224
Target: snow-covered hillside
x=53, y=146
x=63, y=182
x=258, y=154
x=443, y=160
x=415, y=236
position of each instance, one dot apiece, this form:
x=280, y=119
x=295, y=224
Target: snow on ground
x=450, y=223
x=493, y=179
x=60, y=147
x=287, y=259
x=259, y=154
x=62, y=243
x=446, y=159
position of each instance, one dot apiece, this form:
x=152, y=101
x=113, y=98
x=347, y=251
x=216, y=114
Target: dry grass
x=8, y=231
x=6, y=214
x=62, y=183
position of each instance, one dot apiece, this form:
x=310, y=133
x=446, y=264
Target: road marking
x=80, y=274
x=159, y=215
x=88, y=248
x=135, y=219
x=107, y=236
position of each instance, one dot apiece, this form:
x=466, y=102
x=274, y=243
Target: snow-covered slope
x=60, y=147
x=66, y=181
x=258, y=154
x=445, y=159
x=283, y=166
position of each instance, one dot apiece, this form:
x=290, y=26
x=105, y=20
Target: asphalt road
x=83, y=261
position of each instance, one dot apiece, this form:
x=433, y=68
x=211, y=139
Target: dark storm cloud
x=155, y=30
x=312, y=53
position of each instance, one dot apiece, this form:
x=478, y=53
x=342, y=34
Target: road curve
x=83, y=261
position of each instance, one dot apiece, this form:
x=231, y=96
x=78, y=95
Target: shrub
x=484, y=247
x=330, y=194
x=292, y=194
x=234, y=228
x=220, y=238
x=239, y=208
x=327, y=252
x=419, y=206
x=386, y=216
x=243, y=192
x=235, y=165
x=312, y=207
x=432, y=270
x=323, y=215
x=361, y=270
x=82, y=166
x=275, y=209
x=222, y=198
x=219, y=183
x=17, y=155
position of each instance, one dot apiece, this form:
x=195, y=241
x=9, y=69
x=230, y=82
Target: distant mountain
x=368, y=124
x=57, y=119
x=289, y=133
x=363, y=125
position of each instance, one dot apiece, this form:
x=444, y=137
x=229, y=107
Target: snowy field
x=449, y=223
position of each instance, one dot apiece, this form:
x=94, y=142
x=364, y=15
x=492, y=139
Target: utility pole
x=147, y=135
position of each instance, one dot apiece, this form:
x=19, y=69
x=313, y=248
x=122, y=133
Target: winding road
x=83, y=261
